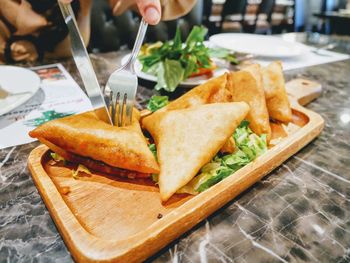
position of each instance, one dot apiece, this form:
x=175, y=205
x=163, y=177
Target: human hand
x=149, y=9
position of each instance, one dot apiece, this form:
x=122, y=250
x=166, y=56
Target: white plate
x=190, y=82
x=15, y=80
x=260, y=45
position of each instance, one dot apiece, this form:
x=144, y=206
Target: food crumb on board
x=159, y=216
x=64, y=190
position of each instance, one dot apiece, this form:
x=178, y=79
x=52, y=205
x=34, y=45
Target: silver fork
x=122, y=84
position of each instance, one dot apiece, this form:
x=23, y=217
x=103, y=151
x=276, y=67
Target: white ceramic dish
x=260, y=45
x=20, y=83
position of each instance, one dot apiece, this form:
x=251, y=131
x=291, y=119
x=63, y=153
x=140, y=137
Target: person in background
x=33, y=29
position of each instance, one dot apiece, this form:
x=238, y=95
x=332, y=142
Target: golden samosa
x=277, y=100
x=212, y=91
x=187, y=139
x=246, y=85
x=84, y=135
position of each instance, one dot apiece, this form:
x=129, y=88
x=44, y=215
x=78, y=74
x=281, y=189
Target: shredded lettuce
x=155, y=178
x=157, y=102
x=212, y=177
x=249, y=147
x=248, y=142
x=153, y=149
x=81, y=169
x=57, y=157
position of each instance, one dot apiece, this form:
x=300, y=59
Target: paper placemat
x=59, y=95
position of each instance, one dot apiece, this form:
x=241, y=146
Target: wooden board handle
x=303, y=91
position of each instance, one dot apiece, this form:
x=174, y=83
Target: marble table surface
x=298, y=213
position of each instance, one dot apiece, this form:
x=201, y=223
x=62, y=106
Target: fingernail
x=152, y=15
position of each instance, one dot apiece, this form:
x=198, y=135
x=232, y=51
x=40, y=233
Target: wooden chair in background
x=233, y=15
x=262, y=22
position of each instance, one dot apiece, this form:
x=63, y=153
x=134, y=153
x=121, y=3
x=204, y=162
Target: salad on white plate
x=175, y=63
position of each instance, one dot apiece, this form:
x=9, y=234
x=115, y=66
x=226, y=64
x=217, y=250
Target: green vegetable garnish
x=81, y=169
x=57, y=157
x=213, y=177
x=155, y=178
x=157, y=102
x=153, y=149
x=174, y=61
x=248, y=142
x=225, y=54
x=249, y=147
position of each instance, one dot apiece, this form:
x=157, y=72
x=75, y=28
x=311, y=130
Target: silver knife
x=84, y=65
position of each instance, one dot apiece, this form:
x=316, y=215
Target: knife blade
x=84, y=65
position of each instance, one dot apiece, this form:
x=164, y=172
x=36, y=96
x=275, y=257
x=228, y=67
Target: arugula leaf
x=148, y=61
x=197, y=34
x=177, y=44
x=157, y=102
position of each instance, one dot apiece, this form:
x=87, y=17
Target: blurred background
x=110, y=33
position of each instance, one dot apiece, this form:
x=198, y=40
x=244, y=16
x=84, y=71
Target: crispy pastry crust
x=85, y=135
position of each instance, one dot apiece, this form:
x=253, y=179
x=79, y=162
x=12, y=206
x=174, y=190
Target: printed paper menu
x=59, y=95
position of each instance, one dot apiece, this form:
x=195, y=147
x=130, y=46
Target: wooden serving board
x=103, y=218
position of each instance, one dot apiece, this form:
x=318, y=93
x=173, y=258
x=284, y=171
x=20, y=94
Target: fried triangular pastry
x=246, y=85
x=277, y=100
x=85, y=135
x=212, y=91
x=189, y=138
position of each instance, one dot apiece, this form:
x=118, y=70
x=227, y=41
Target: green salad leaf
x=174, y=61
x=225, y=54
x=248, y=142
x=196, y=35
x=212, y=177
x=249, y=147
x=170, y=74
x=153, y=149
x=81, y=169
x=56, y=157
x=157, y=102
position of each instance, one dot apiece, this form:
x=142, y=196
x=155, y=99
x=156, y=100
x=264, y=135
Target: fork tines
x=120, y=109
